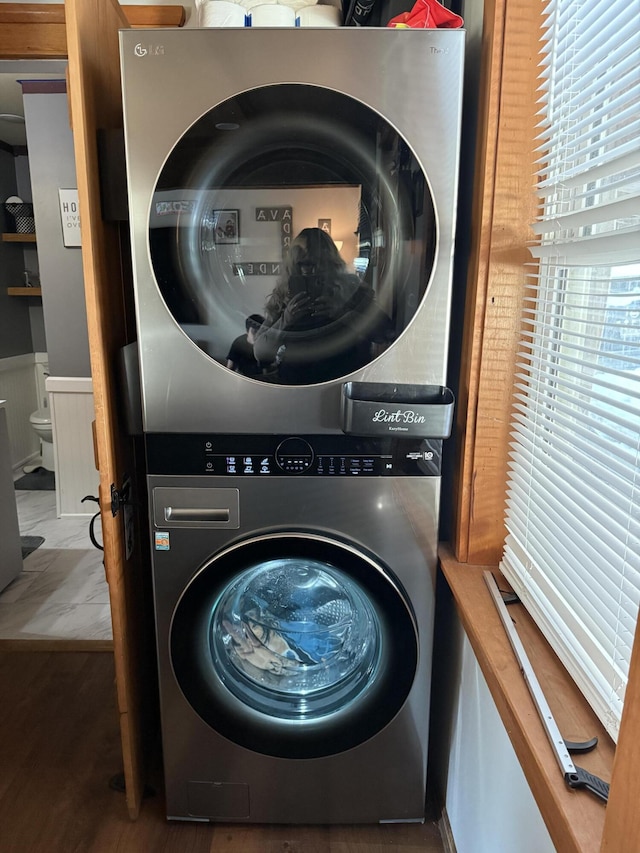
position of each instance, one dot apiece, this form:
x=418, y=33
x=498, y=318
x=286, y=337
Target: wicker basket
x=19, y=218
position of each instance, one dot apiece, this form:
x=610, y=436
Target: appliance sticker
x=162, y=540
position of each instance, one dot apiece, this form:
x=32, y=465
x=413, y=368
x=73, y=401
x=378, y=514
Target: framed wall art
x=226, y=226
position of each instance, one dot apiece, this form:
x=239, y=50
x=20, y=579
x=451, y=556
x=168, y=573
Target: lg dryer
x=236, y=141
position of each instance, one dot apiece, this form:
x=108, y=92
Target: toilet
x=40, y=421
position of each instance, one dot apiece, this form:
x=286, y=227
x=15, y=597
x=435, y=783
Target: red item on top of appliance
x=427, y=14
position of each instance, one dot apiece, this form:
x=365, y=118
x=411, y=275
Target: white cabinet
x=10, y=548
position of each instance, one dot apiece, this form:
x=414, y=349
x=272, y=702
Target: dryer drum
x=294, y=645
x=297, y=153
x=295, y=148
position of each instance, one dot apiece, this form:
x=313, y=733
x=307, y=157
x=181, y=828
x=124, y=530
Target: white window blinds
x=573, y=509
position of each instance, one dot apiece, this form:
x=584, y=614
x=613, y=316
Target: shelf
x=575, y=820
x=21, y=238
x=24, y=291
x=37, y=30
x=18, y=238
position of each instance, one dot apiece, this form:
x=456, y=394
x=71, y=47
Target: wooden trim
x=53, y=13
x=32, y=13
x=155, y=16
x=19, y=238
x=94, y=92
x=574, y=819
x=484, y=178
x=37, y=31
x=446, y=833
x=622, y=821
x=31, y=40
x=504, y=205
x=24, y=291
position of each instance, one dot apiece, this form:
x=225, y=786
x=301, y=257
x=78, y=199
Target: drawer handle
x=172, y=513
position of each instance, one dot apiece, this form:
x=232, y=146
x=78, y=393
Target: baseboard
x=447, y=835
x=28, y=460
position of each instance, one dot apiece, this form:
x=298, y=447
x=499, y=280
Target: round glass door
x=292, y=234
x=294, y=645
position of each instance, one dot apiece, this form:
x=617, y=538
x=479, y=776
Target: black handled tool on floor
x=575, y=777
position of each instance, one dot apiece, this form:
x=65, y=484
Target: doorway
x=61, y=594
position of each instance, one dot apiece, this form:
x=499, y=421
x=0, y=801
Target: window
x=573, y=506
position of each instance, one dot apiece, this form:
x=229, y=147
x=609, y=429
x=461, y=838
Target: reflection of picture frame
x=226, y=226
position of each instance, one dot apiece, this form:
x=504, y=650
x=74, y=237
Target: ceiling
x=11, y=71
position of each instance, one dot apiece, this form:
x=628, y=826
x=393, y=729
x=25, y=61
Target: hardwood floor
x=59, y=749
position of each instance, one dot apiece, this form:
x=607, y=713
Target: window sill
x=574, y=819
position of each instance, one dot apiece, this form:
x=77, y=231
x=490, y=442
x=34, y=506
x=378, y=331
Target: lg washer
x=294, y=617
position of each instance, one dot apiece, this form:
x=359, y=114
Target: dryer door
x=294, y=645
x=292, y=234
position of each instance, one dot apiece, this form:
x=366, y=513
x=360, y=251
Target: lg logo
x=141, y=50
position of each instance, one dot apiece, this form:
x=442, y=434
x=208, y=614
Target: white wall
x=489, y=804
x=52, y=167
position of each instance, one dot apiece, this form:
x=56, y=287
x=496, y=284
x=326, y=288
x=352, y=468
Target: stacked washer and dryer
x=293, y=501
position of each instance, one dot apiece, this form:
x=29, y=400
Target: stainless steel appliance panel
x=171, y=79
x=388, y=522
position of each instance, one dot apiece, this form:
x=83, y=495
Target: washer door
x=294, y=645
x=292, y=234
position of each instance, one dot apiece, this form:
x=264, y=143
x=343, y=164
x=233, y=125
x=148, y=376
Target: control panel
x=292, y=456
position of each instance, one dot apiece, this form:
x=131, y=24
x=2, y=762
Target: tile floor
x=61, y=594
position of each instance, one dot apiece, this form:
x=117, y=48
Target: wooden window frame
x=503, y=208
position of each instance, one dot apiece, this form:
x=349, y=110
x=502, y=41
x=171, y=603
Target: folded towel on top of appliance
x=320, y=15
x=240, y=13
x=291, y=4
x=308, y=13
x=221, y=13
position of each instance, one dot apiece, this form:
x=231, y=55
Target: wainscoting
x=19, y=387
x=24, y=386
x=72, y=415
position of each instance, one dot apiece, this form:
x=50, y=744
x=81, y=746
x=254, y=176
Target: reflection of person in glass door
x=241, y=357
x=321, y=321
